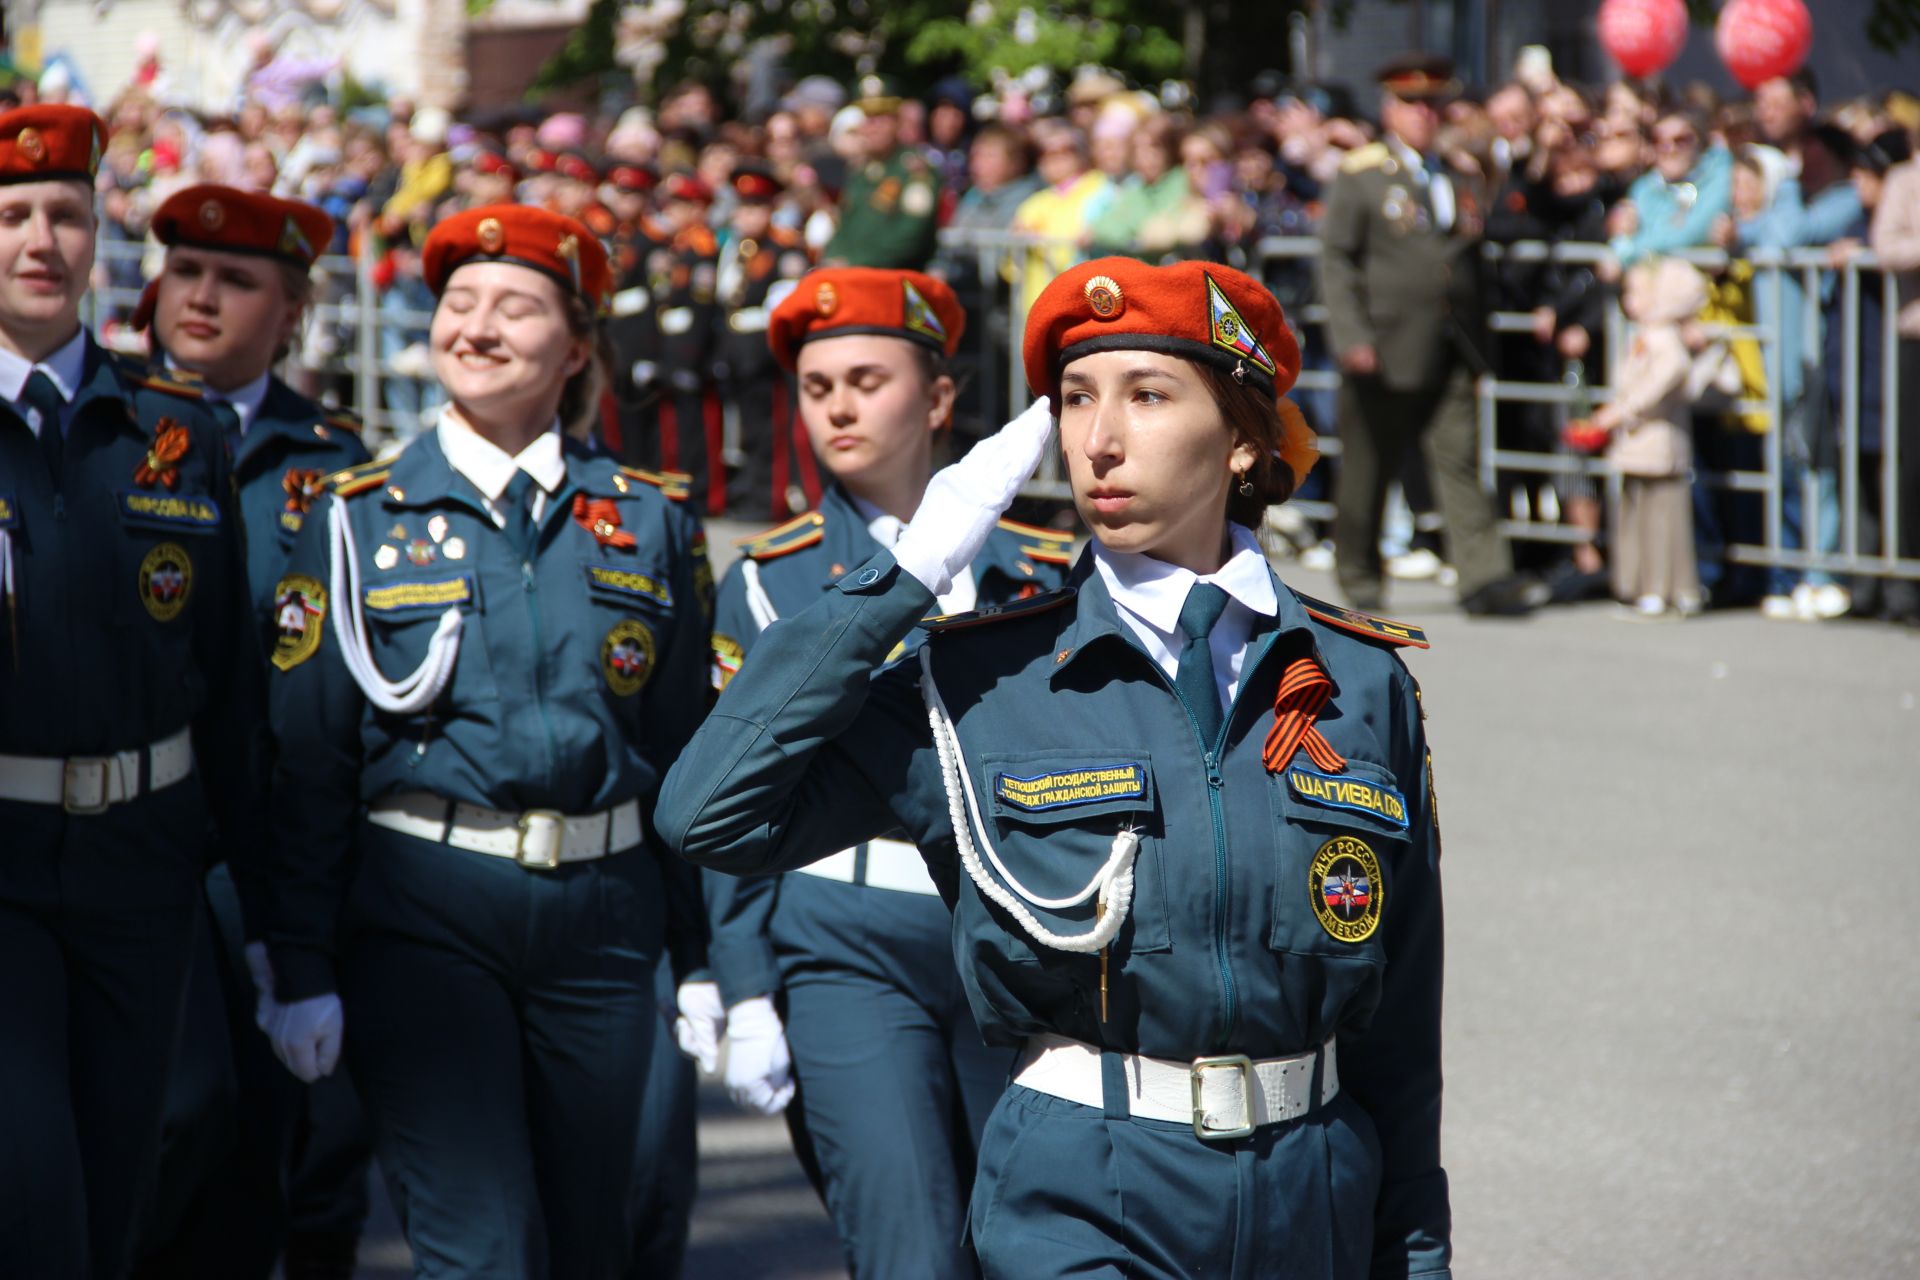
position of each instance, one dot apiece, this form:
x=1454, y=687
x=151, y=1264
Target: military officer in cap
x=759, y=265
x=889, y=208
x=1401, y=275
x=685, y=277
x=1183, y=814
x=844, y=967
x=489, y=648
x=131, y=719
x=226, y=306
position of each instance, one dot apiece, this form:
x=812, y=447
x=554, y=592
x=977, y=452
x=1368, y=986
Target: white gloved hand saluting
x=306, y=1035
x=759, y=1068
x=702, y=1021
x=964, y=500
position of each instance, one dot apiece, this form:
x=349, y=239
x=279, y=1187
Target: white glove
x=702, y=1021
x=306, y=1035
x=759, y=1068
x=964, y=500
x=261, y=969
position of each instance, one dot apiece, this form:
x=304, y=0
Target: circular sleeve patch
x=1347, y=890
x=299, y=620
x=627, y=657
x=166, y=581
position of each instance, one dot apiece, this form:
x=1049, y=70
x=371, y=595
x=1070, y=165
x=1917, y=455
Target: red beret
x=232, y=221
x=835, y=301
x=1199, y=311
x=50, y=142
x=576, y=166
x=756, y=183
x=638, y=178
x=521, y=234
x=492, y=162
x=540, y=160
x=685, y=186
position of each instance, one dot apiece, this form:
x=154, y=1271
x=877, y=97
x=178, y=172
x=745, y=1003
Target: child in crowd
x=1645, y=432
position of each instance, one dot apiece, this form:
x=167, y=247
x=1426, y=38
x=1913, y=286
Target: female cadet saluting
x=495, y=644
x=894, y=1081
x=1183, y=812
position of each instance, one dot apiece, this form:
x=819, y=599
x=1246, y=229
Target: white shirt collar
x=490, y=467
x=245, y=399
x=65, y=366
x=1155, y=591
x=884, y=528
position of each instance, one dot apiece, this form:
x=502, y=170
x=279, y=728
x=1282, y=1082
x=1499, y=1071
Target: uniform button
x=870, y=577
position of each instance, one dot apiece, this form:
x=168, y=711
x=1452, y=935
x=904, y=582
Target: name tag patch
x=404, y=597
x=626, y=582
x=185, y=512
x=1036, y=793
x=1355, y=795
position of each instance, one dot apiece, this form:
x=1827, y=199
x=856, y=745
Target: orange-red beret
x=50, y=142
x=833, y=302
x=636, y=178
x=233, y=221
x=685, y=186
x=522, y=234
x=1199, y=311
x=756, y=183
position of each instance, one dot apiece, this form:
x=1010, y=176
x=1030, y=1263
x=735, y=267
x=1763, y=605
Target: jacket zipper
x=539, y=654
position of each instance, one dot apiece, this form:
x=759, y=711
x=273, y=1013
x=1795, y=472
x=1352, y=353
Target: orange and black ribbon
x=302, y=485
x=170, y=442
x=1304, y=690
x=601, y=518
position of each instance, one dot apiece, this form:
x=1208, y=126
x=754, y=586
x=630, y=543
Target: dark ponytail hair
x=1252, y=416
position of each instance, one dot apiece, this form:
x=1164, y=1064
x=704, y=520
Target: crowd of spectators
x=1096, y=167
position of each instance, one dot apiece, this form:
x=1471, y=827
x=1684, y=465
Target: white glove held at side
x=964, y=500
x=702, y=1021
x=306, y=1035
x=759, y=1068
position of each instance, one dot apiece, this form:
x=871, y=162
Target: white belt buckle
x=539, y=845
x=83, y=785
x=1235, y=1061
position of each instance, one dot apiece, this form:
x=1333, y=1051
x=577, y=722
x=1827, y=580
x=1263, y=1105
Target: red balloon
x=1762, y=39
x=1643, y=36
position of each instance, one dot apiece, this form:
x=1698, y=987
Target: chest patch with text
x=404, y=596
x=1123, y=780
x=626, y=582
x=1356, y=795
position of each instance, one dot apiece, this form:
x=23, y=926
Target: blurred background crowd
x=711, y=206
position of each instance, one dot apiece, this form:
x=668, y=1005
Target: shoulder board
x=177, y=382
x=360, y=479
x=769, y=544
x=1046, y=600
x=677, y=485
x=1371, y=156
x=1365, y=624
x=341, y=420
x=1050, y=546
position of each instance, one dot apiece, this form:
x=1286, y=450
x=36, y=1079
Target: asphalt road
x=1683, y=990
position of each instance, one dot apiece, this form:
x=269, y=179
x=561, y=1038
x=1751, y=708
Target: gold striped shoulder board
x=677, y=485
x=784, y=539
x=1049, y=546
x=357, y=480
x=1040, y=603
x=1365, y=624
x=175, y=382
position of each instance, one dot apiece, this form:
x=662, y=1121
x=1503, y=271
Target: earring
x=1246, y=485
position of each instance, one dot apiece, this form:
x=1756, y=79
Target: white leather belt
x=539, y=838
x=889, y=864
x=90, y=784
x=1224, y=1097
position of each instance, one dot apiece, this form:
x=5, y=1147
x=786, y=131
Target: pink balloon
x=1643, y=36
x=1762, y=39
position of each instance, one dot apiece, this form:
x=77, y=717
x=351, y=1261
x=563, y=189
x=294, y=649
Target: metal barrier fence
x=360, y=342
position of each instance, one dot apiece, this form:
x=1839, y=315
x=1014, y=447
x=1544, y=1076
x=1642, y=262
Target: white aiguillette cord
x=6, y=595
x=416, y=692
x=1113, y=882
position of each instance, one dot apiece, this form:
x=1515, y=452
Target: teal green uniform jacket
x=889, y=214
x=1272, y=911
x=578, y=680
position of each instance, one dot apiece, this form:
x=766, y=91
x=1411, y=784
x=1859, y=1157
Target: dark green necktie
x=518, y=509
x=229, y=419
x=40, y=394
x=1194, y=681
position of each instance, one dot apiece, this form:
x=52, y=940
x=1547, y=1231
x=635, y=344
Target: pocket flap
x=189, y=513
x=398, y=599
x=1364, y=793
x=622, y=583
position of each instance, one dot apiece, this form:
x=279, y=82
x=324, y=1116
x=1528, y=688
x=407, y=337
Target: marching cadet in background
x=131, y=720
x=758, y=267
x=226, y=307
x=488, y=650
x=632, y=330
x=685, y=277
x=889, y=210
x=1402, y=278
x=1183, y=813
x=889, y=1076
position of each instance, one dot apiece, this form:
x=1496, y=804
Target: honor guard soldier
x=131, y=720
x=685, y=290
x=1401, y=274
x=890, y=1079
x=632, y=328
x=889, y=209
x=759, y=266
x=1184, y=815
x=225, y=307
x=489, y=649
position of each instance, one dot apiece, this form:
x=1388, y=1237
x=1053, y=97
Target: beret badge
x=1104, y=297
